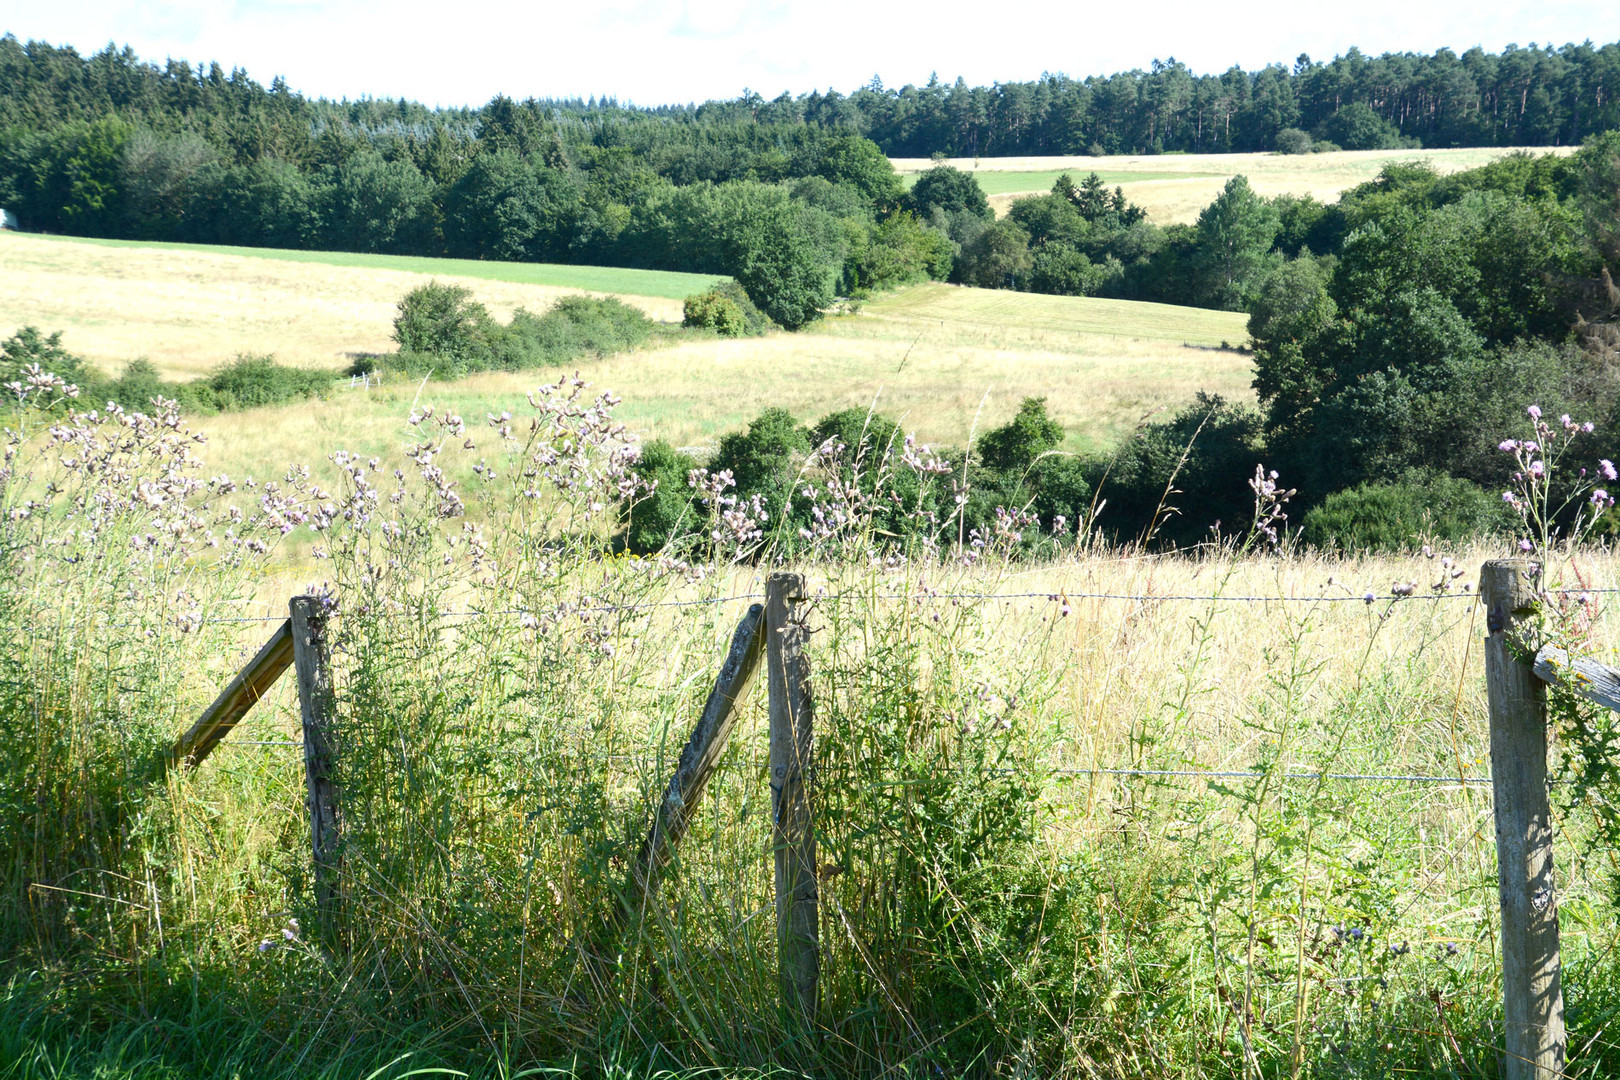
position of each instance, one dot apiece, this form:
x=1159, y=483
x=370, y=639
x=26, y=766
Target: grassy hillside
x=947, y=360
x=945, y=357
x=668, y=284
x=1178, y=196
x=187, y=307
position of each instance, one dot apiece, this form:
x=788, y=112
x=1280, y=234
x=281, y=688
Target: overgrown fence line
x=777, y=632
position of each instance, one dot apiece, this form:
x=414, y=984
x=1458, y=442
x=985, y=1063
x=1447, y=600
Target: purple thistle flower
x=1534, y=411
x=1527, y=546
x=1609, y=472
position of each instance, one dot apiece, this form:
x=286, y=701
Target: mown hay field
x=1173, y=188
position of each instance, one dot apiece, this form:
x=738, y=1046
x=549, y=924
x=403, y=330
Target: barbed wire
x=1049, y=595
x=652, y=763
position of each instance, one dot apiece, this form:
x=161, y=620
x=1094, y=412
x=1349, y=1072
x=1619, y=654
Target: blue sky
x=652, y=52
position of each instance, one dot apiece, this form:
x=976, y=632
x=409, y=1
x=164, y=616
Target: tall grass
x=1017, y=877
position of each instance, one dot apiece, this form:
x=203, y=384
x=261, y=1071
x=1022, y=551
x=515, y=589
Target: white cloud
x=654, y=52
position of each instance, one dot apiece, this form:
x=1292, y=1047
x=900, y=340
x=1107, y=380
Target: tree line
x=1392, y=359
x=1535, y=96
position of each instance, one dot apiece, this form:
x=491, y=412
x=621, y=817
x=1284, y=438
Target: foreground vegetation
x=990, y=901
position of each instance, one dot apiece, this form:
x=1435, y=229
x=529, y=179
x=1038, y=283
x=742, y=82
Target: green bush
x=250, y=381
x=445, y=320
x=665, y=513
x=442, y=331
x=1293, y=141
x=575, y=327
x=761, y=459
x=1402, y=516
x=725, y=309
x=710, y=311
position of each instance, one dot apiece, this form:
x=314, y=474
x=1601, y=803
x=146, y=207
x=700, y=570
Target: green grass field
x=607, y=279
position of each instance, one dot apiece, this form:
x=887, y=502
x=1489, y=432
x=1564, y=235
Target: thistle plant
x=1555, y=508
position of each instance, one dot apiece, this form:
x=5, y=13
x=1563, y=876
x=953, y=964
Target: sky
x=651, y=52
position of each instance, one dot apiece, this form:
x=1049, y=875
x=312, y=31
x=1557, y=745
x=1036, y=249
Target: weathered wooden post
x=699, y=758
x=1532, y=998
x=685, y=790
x=312, y=661
x=793, y=833
x=240, y=695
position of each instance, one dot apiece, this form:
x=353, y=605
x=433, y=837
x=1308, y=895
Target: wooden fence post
x=312, y=660
x=1532, y=998
x=698, y=760
x=239, y=695
x=792, y=833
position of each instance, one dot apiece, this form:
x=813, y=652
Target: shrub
x=443, y=319
x=28, y=347
x=711, y=311
x=139, y=384
x=1016, y=445
x=760, y=458
x=442, y=331
x=576, y=326
x=664, y=513
x=1401, y=516
x=251, y=381
x=1293, y=141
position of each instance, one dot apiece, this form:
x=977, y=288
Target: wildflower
x=1608, y=469
x=1526, y=545
x=1534, y=411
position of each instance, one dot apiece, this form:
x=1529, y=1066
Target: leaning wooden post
x=233, y=703
x=312, y=660
x=1532, y=999
x=793, y=833
x=697, y=762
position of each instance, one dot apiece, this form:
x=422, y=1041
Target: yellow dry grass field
x=189, y=311
x=1168, y=202
x=942, y=359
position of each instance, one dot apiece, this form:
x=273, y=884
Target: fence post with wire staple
x=312, y=660
x=1532, y=997
x=792, y=832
